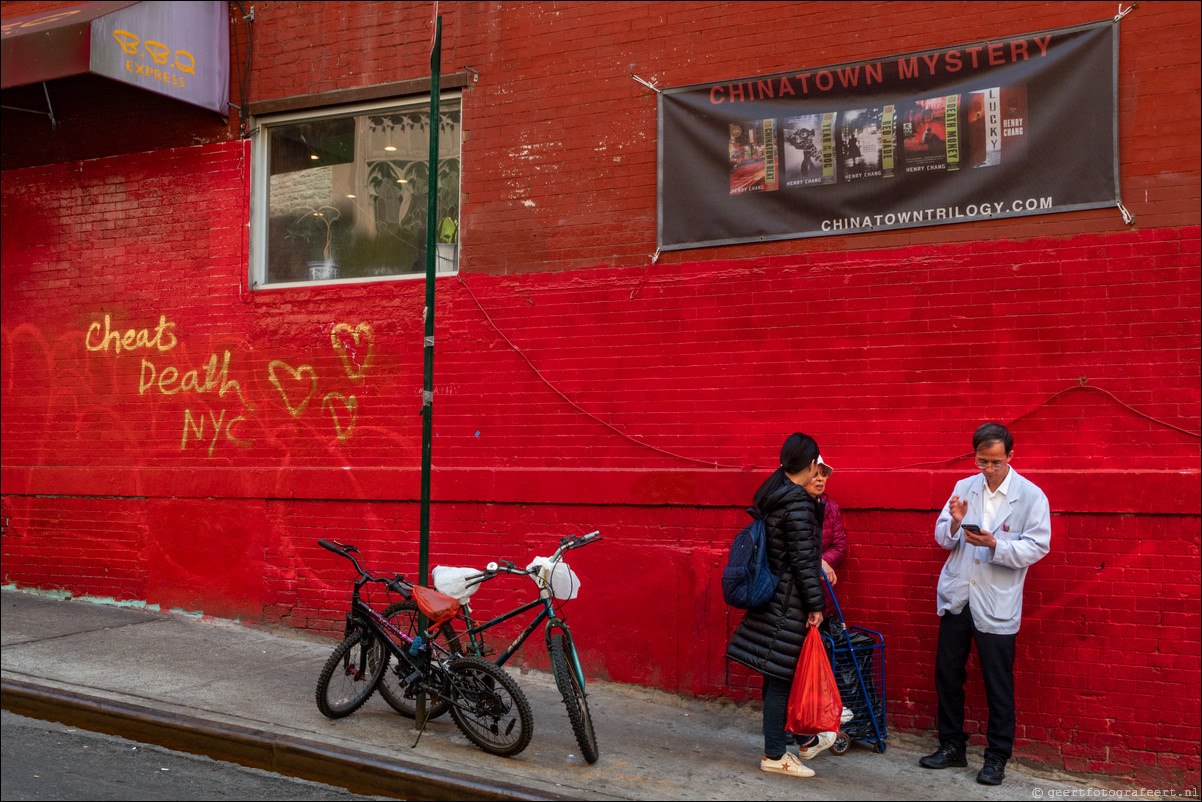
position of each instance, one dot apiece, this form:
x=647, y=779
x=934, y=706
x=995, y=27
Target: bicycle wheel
x=489, y=707
x=350, y=675
x=400, y=697
x=573, y=695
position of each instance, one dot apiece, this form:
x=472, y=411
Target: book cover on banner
x=753, y=157
x=997, y=126
x=862, y=143
x=931, y=134
x=828, y=148
x=805, y=151
x=888, y=140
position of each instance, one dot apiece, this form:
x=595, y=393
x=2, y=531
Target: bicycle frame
x=362, y=616
x=486, y=704
x=561, y=647
x=546, y=614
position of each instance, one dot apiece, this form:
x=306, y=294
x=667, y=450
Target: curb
x=360, y=772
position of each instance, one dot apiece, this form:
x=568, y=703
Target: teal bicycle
x=555, y=583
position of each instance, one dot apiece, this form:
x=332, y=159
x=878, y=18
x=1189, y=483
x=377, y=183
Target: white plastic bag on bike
x=563, y=580
x=453, y=582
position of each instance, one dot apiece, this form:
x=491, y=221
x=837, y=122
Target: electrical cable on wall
x=1081, y=385
x=569, y=401
x=244, y=67
x=639, y=287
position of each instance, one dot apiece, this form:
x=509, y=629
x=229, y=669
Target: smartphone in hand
x=976, y=530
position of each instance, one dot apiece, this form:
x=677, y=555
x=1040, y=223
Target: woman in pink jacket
x=834, y=539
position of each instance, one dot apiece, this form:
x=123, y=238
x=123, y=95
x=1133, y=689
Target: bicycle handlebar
x=395, y=583
x=569, y=543
x=493, y=569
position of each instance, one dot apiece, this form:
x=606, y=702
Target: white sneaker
x=847, y=715
x=788, y=764
x=825, y=739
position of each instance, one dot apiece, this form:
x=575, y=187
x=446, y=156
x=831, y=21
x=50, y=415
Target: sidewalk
x=246, y=694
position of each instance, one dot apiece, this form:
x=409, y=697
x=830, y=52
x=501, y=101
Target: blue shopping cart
x=857, y=658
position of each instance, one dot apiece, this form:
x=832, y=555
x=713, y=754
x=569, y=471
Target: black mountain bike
x=486, y=704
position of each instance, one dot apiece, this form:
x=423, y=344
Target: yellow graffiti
x=132, y=339
x=296, y=374
x=197, y=427
x=352, y=408
x=297, y=386
x=229, y=432
x=213, y=378
x=361, y=335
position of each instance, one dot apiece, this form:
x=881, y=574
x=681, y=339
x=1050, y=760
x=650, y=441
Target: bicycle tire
x=573, y=697
x=350, y=675
x=488, y=706
x=403, y=615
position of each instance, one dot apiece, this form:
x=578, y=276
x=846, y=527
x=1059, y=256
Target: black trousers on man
x=996, y=654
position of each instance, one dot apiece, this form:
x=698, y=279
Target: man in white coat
x=996, y=525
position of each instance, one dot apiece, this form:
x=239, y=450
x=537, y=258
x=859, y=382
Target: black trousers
x=996, y=654
x=776, y=710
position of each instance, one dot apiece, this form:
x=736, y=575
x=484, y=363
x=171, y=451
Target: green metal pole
x=428, y=377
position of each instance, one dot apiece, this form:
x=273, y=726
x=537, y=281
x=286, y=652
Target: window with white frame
x=343, y=195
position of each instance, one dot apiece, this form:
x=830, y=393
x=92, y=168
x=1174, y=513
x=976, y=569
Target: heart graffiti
x=297, y=378
x=354, y=345
x=352, y=408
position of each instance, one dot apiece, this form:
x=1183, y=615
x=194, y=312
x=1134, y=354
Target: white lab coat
x=991, y=581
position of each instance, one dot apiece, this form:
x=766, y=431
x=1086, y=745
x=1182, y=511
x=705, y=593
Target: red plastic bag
x=436, y=606
x=814, y=701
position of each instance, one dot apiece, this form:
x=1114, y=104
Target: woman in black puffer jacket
x=769, y=638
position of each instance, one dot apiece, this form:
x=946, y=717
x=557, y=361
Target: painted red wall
x=582, y=387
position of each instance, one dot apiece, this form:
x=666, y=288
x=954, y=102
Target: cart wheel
x=841, y=743
x=880, y=747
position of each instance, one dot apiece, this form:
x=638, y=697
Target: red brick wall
x=643, y=400
x=560, y=161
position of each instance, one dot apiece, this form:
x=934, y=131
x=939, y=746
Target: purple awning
x=180, y=50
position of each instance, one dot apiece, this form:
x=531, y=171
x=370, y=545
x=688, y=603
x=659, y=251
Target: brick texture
x=171, y=436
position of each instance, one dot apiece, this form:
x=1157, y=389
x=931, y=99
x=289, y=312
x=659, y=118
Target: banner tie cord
x=647, y=84
x=1127, y=217
x=1122, y=13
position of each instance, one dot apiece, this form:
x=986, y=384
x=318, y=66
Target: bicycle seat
x=438, y=607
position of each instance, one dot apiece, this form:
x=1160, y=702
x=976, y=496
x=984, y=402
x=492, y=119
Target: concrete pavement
x=246, y=694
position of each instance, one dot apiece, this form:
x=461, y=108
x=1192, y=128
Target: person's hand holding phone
x=976, y=536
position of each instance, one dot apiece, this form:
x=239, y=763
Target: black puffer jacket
x=769, y=638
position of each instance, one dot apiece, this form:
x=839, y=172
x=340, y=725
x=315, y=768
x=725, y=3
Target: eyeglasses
x=993, y=464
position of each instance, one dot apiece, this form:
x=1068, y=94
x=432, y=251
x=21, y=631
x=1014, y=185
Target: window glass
x=344, y=197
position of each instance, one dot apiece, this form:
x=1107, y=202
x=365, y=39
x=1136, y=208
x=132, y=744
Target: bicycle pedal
x=487, y=651
x=414, y=677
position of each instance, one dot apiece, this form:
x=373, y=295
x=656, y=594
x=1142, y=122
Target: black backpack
x=746, y=581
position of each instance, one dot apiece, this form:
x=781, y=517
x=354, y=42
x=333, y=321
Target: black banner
x=1019, y=126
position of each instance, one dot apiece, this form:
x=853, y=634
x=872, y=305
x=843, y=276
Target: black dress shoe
x=946, y=756
x=993, y=772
